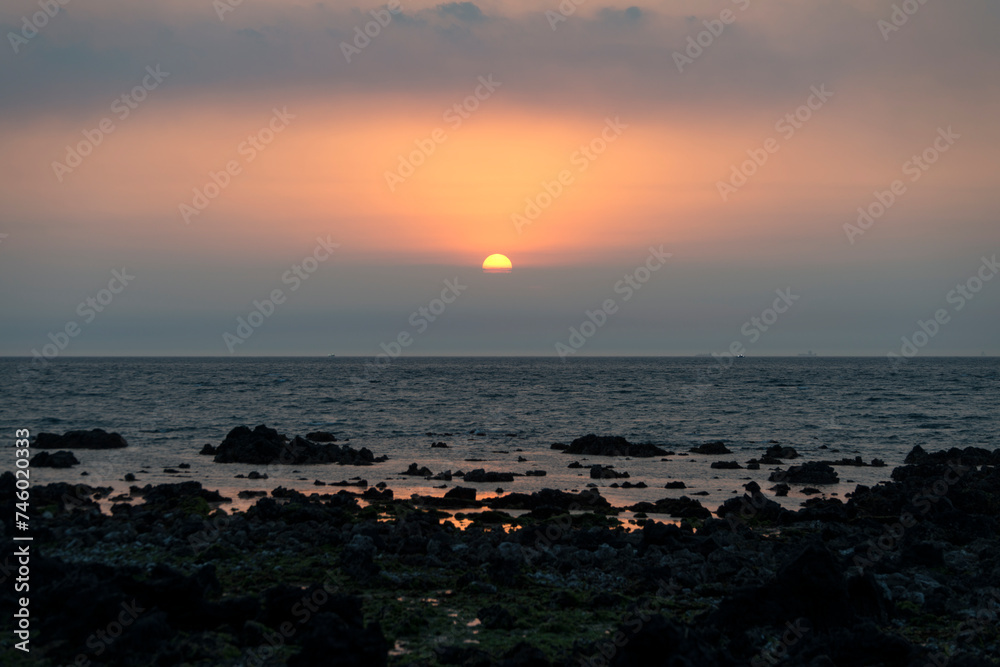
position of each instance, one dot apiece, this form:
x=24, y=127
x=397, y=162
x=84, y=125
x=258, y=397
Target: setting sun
x=497, y=263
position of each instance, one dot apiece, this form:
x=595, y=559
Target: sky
x=666, y=177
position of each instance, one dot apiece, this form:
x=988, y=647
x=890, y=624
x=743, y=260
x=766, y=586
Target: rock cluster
x=264, y=445
x=903, y=574
x=93, y=439
x=593, y=445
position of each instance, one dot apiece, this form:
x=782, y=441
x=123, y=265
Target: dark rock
x=575, y=464
x=590, y=500
x=753, y=507
x=675, y=485
x=923, y=554
x=809, y=491
x=813, y=472
x=717, y=447
x=814, y=586
x=321, y=436
x=207, y=450
x=481, y=476
x=682, y=507
x=461, y=493
x=857, y=462
x=439, y=445
x=375, y=494
x=56, y=460
x=557, y=445
x=171, y=495
x=264, y=445
x=780, y=490
x=916, y=455
x=600, y=472
x=256, y=475
x=535, y=473
x=726, y=465
x=593, y=445
x=362, y=483
x=662, y=534
x=414, y=471
x=630, y=485
x=660, y=641
x=466, y=656
x=337, y=635
x=779, y=452
x=93, y=439
x=496, y=617
x=524, y=654
x=865, y=644
x=970, y=456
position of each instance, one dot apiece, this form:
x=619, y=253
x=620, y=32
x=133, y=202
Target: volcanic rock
x=593, y=445
x=601, y=472
x=814, y=472
x=682, y=507
x=717, y=447
x=480, y=475
x=56, y=460
x=93, y=439
x=264, y=445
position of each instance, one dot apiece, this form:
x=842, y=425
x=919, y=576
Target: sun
x=497, y=263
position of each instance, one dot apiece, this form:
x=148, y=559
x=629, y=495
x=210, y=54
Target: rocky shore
x=905, y=573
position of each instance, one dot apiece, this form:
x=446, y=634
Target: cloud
x=621, y=16
x=768, y=56
x=463, y=11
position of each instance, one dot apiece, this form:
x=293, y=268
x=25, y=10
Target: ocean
x=497, y=410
